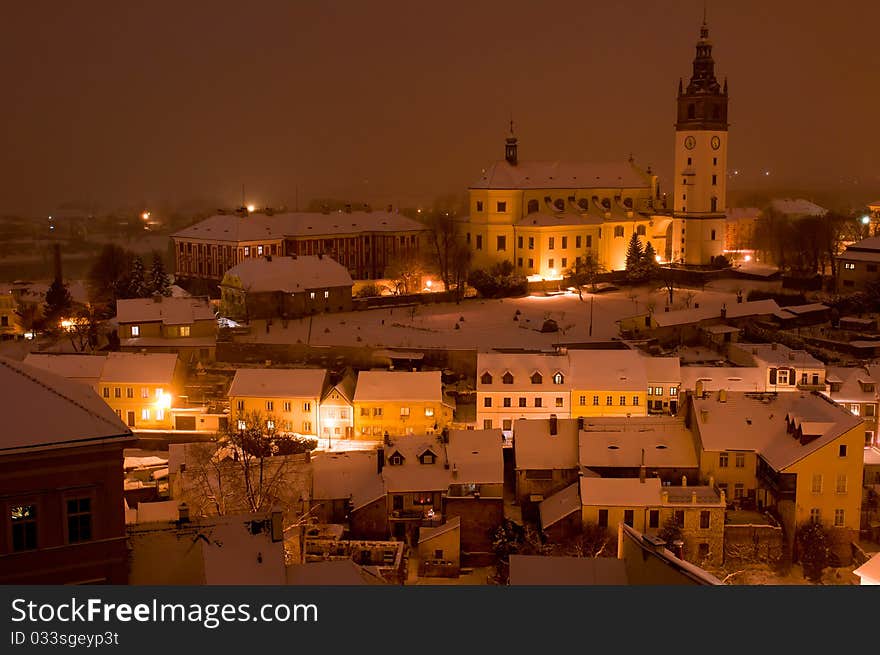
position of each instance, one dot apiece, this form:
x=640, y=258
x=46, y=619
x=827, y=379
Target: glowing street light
x=146, y=216
x=866, y=220
x=163, y=401
x=658, y=258
x=251, y=209
x=748, y=258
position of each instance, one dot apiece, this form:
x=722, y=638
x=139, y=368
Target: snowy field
x=482, y=324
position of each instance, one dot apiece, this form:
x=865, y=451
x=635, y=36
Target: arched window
x=618, y=231
x=584, y=204
x=486, y=378
x=606, y=203
x=640, y=230
x=533, y=206
x=537, y=378
x=628, y=203
x=558, y=378
x=559, y=203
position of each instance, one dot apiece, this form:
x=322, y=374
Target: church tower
x=700, y=173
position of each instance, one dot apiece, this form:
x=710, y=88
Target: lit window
x=145, y=414
x=135, y=330
x=259, y=251
x=559, y=401
x=159, y=392
x=558, y=378
x=184, y=330
x=673, y=391
x=429, y=411
x=270, y=424
x=24, y=527
x=160, y=414
x=145, y=392
x=247, y=251
x=312, y=295
x=404, y=411
x=326, y=295
x=242, y=425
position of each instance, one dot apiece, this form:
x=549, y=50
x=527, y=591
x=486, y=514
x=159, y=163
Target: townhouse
x=142, y=388
x=184, y=325
x=608, y=383
x=399, y=403
x=283, y=400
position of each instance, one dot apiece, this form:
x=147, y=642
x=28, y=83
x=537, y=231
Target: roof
x=690, y=571
x=412, y=475
x=559, y=505
x=860, y=255
x=731, y=378
x=522, y=366
x=778, y=354
x=452, y=524
x=531, y=570
x=345, y=386
x=535, y=448
x=289, y=274
x=799, y=310
x=561, y=175
x=619, y=443
x=168, y=311
x=343, y=572
x=476, y=456
x=608, y=370
x=353, y=474
x=620, y=492
x=278, y=383
x=736, y=310
x=738, y=213
x=85, y=368
x=757, y=422
x=257, y=227
x=144, y=368
x=797, y=207
x=870, y=570
x=872, y=456
x=43, y=409
x=849, y=378
x=663, y=369
x=399, y=386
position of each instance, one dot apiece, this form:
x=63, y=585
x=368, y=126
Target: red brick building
x=61, y=482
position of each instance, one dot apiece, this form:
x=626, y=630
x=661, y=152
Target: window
x=537, y=378
x=501, y=206
x=145, y=392
x=565, y=262
x=487, y=424
x=678, y=517
x=551, y=263
x=247, y=251
x=501, y=243
x=506, y=402
x=242, y=425
x=582, y=400
x=479, y=205
x=487, y=402
x=106, y=392
x=590, y=239
x=714, y=180
x=311, y=295
x=539, y=402
x=286, y=405
x=658, y=391
x=628, y=517
x=841, y=450
x=703, y=550
x=618, y=231
x=507, y=424
x=641, y=230
x=712, y=235
x=160, y=414
x=184, y=331
x=145, y=414
x=740, y=460
x=704, y=519
x=870, y=410
x=519, y=243
x=722, y=460
x=365, y=411
x=577, y=241
x=531, y=244
x=532, y=206
x=427, y=457
x=855, y=409
x=396, y=501
x=609, y=401
x=507, y=378
x=654, y=518
x=690, y=161
x=849, y=266
x=486, y=378
x=838, y=518
x=531, y=263
x=522, y=402
x=307, y=426
x=650, y=391
x=117, y=392
x=307, y=407
x=635, y=401
x=595, y=401
x=558, y=378
x=270, y=405
x=603, y=518
x=24, y=527
x=738, y=490
x=239, y=405
x=270, y=425
x=816, y=485
x=135, y=330
x=841, y=484
x=815, y=516
x=377, y=411
x=551, y=243
x=559, y=401
x=872, y=268
x=129, y=392
x=158, y=392
x=673, y=391
x=564, y=244
x=479, y=242
x=404, y=411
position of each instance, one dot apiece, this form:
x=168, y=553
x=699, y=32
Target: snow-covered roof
x=608, y=370
x=540, y=570
x=860, y=255
x=278, y=383
x=757, y=422
x=559, y=505
x=43, y=409
x=168, y=311
x=663, y=369
x=353, y=474
x=289, y=274
x=562, y=175
x=476, y=456
x=83, y=368
x=869, y=572
x=797, y=207
x=426, y=534
x=522, y=366
x=620, y=492
x=399, y=386
x=412, y=475
x=731, y=378
x=778, y=354
x=800, y=310
x=535, y=448
x=145, y=368
x=262, y=227
x=851, y=379
x=619, y=443
x=736, y=310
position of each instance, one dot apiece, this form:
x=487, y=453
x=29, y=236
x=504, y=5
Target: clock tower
x=700, y=173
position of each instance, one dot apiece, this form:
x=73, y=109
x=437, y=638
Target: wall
x=635, y=398
x=370, y=521
x=369, y=425
x=479, y=517
x=752, y=543
x=298, y=419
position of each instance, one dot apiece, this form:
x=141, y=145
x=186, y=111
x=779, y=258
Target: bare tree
x=405, y=271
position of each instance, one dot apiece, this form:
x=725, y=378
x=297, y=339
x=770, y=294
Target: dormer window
x=537, y=378
x=507, y=378
x=486, y=378
x=558, y=378
x=427, y=457
x=396, y=459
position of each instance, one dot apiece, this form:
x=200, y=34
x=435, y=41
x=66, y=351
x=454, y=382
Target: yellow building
x=800, y=452
x=284, y=399
x=9, y=321
x=187, y=326
x=608, y=383
x=142, y=387
x=399, y=403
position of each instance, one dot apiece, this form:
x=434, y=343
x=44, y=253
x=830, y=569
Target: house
x=336, y=410
x=10, y=322
x=399, y=403
x=85, y=369
x=855, y=388
x=348, y=489
x=536, y=570
x=560, y=515
x=61, y=479
x=857, y=266
x=183, y=325
x=608, y=383
x=664, y=382
x=236, y=549
x=869, y=572
x=546, y=458
x=649, y=562
x=285, y=399
x=786, y=369
x=803, y=315
x=142, y=388
x=647, y=505
x=439, y=550
x=519, y=384
x=798, y=455
x=703, y=379
x=623, y=448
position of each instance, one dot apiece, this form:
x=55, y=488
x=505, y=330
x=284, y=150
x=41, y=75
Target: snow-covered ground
x=482, y=324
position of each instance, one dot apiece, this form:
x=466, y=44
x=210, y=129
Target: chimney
x=712, y=481
x=773, y=346
x=348, y=208
x=722, y=396
x=183, y=513
x=724, y=310
x=380, y=459
x=684, y=481
x=642, y=468
x=554, y=428
x=620, y=540
x=664, y=497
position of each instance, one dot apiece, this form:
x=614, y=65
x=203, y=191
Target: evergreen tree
x=58, y=303
x=649, y=262
x=634, y=256
x=159, y=281
x=108, y=276
x=135, y=285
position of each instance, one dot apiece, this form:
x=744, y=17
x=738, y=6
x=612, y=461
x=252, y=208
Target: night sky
x=180, y=103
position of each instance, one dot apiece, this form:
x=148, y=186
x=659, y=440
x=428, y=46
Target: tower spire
x=510, y=146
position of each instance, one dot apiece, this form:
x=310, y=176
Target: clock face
x=690, y=142
x=716, y=142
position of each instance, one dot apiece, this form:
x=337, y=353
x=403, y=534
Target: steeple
x=510, y=147
x=703, y=103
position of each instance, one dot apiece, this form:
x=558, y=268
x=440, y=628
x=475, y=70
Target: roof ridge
x=7, y=364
